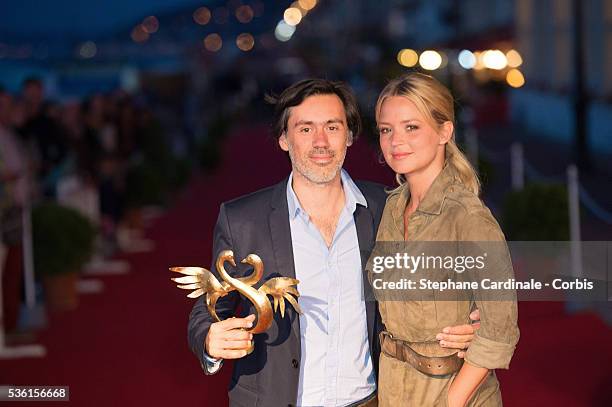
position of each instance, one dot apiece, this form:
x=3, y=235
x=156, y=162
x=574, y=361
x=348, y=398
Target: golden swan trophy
x=202, y=281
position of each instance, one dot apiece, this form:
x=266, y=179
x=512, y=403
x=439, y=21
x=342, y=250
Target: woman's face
x=409, y=143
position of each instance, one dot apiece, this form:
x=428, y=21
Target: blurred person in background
x=15, y=184
x=41, y=129
x=101, y=136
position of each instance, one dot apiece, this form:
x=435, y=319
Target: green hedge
x=538, y=212
x=63, y=239
x=159, y=174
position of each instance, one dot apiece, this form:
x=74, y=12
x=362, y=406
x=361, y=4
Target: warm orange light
x=514, y=58
x=296, y=4
x=479, y=62
x=202, y=16
x=213, y=42
x=307, y=4
x=515, y=78
x=139, y=34
x=245, y=42
x=292, y=16
x=408, y=58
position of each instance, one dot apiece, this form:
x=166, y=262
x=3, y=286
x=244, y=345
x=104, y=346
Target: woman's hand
x=460, y=336
x=465, y=384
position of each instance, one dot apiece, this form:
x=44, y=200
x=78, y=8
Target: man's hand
x=460, y=337
x=226, y=339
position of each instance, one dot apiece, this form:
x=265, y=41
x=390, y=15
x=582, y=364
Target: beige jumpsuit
x=448, y=212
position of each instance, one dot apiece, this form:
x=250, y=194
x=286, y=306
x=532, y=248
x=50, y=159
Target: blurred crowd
x=78, y=153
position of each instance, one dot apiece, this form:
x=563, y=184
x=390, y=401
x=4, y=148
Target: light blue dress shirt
x=336, y=366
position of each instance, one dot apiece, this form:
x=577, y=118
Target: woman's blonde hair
x=435, y=102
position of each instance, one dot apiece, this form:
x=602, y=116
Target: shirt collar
x=352, y=193
x=434, y=197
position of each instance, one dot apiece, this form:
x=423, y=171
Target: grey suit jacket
x=259, y=223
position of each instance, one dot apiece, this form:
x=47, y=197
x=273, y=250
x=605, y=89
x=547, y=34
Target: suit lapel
x=280, y=232
x=364, y=223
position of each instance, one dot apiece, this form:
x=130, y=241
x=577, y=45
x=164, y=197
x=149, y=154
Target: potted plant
x=63, y=241
x=537, y=212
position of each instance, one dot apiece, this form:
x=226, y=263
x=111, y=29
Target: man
x=42, y=131
x=318, y=226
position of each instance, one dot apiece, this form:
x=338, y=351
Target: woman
x=437, y=200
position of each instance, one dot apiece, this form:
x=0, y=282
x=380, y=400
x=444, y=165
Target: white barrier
x=518, y=166
x=23, y=351
x=28, y=257
x=573, y=199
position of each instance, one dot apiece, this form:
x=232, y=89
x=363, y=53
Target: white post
x=2, y=259
x=23, y=351
x=471, y=144
x=517, y=166
x=573, y=192
x=28, y=257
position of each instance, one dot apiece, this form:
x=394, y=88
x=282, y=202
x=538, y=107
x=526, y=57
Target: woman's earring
x=381, y=158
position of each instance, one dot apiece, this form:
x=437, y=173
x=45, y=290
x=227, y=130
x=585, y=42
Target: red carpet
x=128, y=346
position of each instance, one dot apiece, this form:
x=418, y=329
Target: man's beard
x=314, y=173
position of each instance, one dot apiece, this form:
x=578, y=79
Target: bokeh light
x=479, y=64
x=292, y=16
x=514, y=58
x=430, y=60
x=494, y=59
x=244, y=14
x=307, y=4
x=296, y=4
x=284, y=31
x=202, y=16
x=139, y=34
x=150, y=24
x=213, y=42
x=408, y=57
x=88, y=50
x=515, y=78
x=245, y=42
x=467, y=59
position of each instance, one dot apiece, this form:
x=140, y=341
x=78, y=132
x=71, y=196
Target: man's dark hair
x=295, y=94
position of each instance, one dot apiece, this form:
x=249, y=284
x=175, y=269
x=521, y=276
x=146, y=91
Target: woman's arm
x=494, y=343
x=465, y=384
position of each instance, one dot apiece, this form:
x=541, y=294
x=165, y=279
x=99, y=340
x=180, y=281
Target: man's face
x=317, y=137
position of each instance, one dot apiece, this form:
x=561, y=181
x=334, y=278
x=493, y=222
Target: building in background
x=545, y=35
